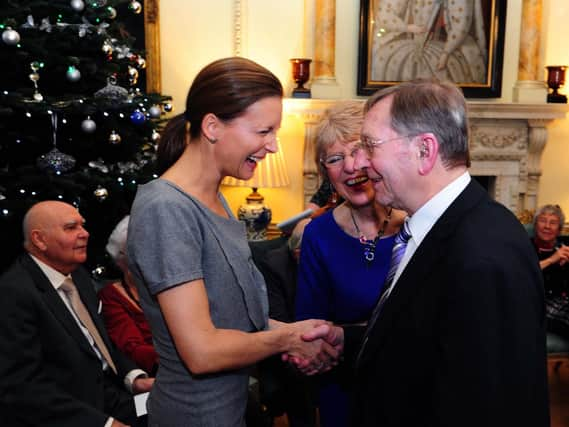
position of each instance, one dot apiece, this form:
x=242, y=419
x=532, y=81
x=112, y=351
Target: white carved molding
x=240, y=27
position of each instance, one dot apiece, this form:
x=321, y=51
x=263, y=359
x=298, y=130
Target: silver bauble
x=168, y=107
x=73, y=74
x=135, y=6
x=115, y=138
x=77, y=5
x=101, y=193
x=88, y=125
x=155, y=111
x=11, y=37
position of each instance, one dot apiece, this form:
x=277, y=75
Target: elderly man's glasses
x=369, y=144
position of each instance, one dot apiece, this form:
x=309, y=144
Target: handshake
x=315, y=346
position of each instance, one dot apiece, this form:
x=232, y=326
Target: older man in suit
x=458, y=337
x=57, y=364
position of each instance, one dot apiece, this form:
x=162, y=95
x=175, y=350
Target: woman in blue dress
x=345, y=252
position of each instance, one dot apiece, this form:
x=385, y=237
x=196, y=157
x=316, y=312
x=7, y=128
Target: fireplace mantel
x=506, y=144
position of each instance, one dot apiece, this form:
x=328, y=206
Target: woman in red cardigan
x=123, y=315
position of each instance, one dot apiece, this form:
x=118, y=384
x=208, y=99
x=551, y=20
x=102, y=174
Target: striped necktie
x=397, y=253
x=85, y=318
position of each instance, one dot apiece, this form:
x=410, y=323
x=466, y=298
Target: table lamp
x=270, y=173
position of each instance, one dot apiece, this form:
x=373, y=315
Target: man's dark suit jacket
x=461, y=339
x=49, y=374
x=279, y=268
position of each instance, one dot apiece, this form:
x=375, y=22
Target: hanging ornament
x=167, y=107
x=101, y=193
x=99, y=272
x=107, y=47
x=10, y=37
x=132, y=75
x=112, y=92
x=115, y=138
x=34, y=77
x=77, y=5
x=55, y=160
x=73, y=74
x=141, y=62
x=112, y=12
x=88, y=125
x=155, y=136
x=137, y=117
x=135, y=6
x=155, y=112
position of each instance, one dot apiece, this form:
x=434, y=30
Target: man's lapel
x=426, y=257
x=55, y=304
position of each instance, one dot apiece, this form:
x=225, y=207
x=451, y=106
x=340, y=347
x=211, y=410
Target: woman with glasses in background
x=346, y=251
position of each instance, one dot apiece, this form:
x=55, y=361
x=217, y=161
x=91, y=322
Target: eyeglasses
x=369, y=144
x=336, y=161
x=548, y=222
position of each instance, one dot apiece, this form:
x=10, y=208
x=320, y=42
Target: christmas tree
x=76, y=121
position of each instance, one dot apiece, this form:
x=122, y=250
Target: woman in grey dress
x=204, y=299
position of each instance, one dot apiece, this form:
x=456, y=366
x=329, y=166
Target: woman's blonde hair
x=340, y=123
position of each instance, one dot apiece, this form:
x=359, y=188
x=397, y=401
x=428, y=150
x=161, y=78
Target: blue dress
x=335, y=282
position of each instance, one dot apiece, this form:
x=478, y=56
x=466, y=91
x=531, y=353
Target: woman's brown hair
x=226, y=88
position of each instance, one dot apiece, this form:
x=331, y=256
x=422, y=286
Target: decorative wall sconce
x=300, y=75
x=556, y=79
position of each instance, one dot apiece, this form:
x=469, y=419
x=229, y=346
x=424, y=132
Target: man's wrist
x=131, y=376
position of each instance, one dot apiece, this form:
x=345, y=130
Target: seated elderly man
x=57, y=364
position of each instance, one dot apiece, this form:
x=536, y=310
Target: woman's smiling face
x=350, y=183
x=247, y=139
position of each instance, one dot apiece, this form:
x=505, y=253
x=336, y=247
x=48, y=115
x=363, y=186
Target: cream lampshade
x=270, y=173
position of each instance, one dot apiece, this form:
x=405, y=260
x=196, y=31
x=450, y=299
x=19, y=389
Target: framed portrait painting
x=457, y=40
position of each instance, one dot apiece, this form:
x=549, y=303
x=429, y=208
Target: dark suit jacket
x=49, y=374
x=461, y=339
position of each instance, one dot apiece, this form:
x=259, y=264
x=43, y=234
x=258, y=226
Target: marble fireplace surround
x=506, y=143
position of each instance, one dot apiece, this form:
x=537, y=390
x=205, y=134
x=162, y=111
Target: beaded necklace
x=369, y=245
